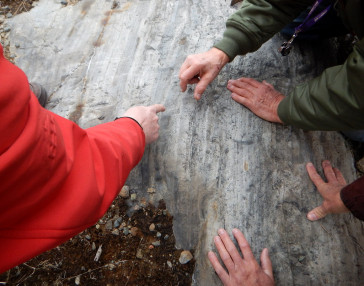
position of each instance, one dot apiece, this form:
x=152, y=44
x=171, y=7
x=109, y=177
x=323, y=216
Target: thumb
x=317, y=213
x=266, y=263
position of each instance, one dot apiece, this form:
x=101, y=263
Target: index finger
x=243, y=244
x=314, y=176
x=158, y=108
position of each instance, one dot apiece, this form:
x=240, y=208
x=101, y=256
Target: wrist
x=223, y=58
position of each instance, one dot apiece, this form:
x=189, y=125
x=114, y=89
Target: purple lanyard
x=307, y=23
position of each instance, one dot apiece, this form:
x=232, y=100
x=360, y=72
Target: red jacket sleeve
x=56, y=178
x=353, y=198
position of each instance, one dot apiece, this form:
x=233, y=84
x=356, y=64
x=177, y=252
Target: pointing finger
x=158, y=108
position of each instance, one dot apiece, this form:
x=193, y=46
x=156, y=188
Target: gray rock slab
x=215, y=164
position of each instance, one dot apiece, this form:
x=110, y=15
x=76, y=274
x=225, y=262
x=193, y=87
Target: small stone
x=115, y=232
x=63, y=2
x=9, y=15
x=7, y=29
x=111, y=266
x=169, y=264
x=97, y=226
x=301, y=258
x=93, y=246
x=133, y=197
x=108, y=225
x=164, y=212
x=151, y=246
x=185, y=257
x=17, y=46
x=166, y=237
x=156, y=243
x=360, y=165
x=2, y=19
x=139, y=254
x=123, y=224
x=124, y=193
x=136, y=207
x=152, y=227
x=83, y=268
x=126, y=230
x=78, y=280
x=134, y=231
x=88, y=237
x=159, y=234
x=151, y=190
x=117, y=222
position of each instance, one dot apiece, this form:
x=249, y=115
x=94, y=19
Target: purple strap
x=309, y=22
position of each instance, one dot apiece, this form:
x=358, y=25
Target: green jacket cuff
x=234, y=43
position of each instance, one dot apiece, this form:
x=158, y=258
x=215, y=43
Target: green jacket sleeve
x=256, y=22
x=332, y=101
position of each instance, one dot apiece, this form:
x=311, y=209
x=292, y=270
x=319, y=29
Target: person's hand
x=201, y=69
x=240, y=270
x=260, y=97
x=329, y=191
x=148, y=119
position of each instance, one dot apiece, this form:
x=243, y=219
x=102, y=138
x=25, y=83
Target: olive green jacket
x=332, y=101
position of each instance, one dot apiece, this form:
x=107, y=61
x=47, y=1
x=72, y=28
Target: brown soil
x=131, y=254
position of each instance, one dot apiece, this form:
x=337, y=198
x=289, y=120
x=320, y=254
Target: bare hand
x=329, y=191
x=241, y=270
x=148, y=119
x=202, y=69
x=260, y=97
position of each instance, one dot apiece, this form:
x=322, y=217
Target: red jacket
x=56, y=179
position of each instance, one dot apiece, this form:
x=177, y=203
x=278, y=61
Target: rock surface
x=215, y=164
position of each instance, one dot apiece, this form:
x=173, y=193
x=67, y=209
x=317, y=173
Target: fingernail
x=221, y=231
x=309, y=164
x=235, y=231
x=312, y=216
x=198, y=96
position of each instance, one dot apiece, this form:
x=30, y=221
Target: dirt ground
x=121, y=249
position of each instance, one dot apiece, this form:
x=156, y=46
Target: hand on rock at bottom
x=329, y=191
x=260, y=97
x=241, y=271
x=148, y=119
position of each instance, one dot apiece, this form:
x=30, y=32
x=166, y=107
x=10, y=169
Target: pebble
x=185, y=257
x=88, y=237
x=108, y=225
x=9, y=15
x=156, y=243
x=124, y=193
x=152, y=227
x=78, y=280
x=97, y=226
x=139, y=254
x=133, y=197
x=65, y=3
x=7, y=29
x=169, y=264
x=159, y=234
x=111, y=266
x=93, y=246
x=136, y=207
x=151, y=190
x=117, y=222
x=164, y=212
x=115, y=232
x=166, y=237
x=360, y=165
x=17, y=46
x=126, y=230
